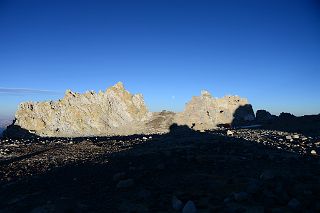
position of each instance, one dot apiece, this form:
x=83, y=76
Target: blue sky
x=267, y=51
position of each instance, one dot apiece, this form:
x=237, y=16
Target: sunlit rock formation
x=205, y=112
x=113, y=112
x=117, y=112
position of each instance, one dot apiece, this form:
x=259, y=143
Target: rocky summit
x=113, y=112
x=117, y=112
x=205, y=112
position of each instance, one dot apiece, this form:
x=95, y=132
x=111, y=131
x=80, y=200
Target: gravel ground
x=242, y=170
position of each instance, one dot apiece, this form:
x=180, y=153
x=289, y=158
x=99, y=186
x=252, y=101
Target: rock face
x=205, y=112
x=117, y=112
x=263, y=116
x=114, y=112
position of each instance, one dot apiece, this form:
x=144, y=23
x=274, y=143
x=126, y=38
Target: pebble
x=296, y=136
x=189, y=207
x=288, y=137
x=229, y=133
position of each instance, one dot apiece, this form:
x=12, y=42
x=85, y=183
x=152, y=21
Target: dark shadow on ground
x=204, y=167
x=15, y=131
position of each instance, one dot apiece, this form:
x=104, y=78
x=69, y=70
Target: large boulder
x=205, y=112
x=113, y=112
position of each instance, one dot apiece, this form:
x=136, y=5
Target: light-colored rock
x=288, y=137
x=117, y=112
x=313, y=152
x=295, y=136
x=206, y=112
x=114, y=112
x=229, y=133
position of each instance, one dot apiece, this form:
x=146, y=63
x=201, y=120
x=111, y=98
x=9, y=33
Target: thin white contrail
x=25, y=91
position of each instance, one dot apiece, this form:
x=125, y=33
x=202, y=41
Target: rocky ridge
x=205, y=112
x=113, y=112
x=117, y=112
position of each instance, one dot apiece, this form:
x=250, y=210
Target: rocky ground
x=242, y=170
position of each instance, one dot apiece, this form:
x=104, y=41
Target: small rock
x=176, y=203
x=288, y=137
x=122, y=184
x=229, y=133
x=313, y=152
x=294, y=204
x=295, y=136
x=240, y=196
x=189, y=207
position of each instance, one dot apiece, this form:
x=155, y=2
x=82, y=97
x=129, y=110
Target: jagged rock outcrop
x=263, y=116
x=117, y=112
x=206, y=112
x=114, y=112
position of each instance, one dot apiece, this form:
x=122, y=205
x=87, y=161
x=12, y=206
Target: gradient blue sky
x=267, y=51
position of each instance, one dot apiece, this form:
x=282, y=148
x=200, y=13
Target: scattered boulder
x=229, y=133
x=295, y=136
x=313, y=152
x=288, y=137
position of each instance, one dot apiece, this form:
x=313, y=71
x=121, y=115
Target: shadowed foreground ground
x=248, y=171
